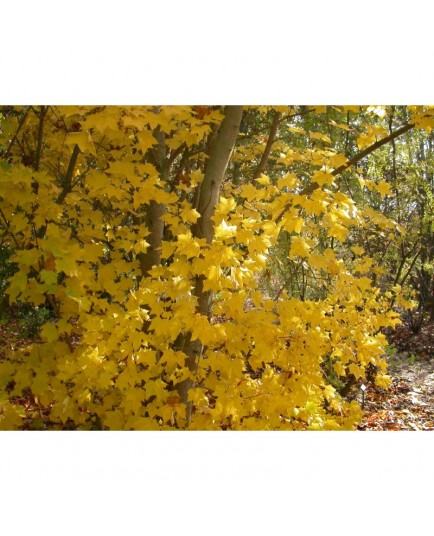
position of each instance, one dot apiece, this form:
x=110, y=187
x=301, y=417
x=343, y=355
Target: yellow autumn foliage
x=114, y=352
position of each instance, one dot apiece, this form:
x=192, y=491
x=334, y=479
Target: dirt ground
x=409, y=403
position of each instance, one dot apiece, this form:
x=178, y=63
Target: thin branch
x=79, y=178
x=413, y=262
x=298, y=114
x=347, y=133
x=267, y=151
x=314, y=185
x=42, y=114
x=410, y=269
x=176, y=152
x=68, y=177
x=371, y=148
x=404, y=258
x=9, y=229
x=23, y=119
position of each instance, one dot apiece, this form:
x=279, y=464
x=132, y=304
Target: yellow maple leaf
x=292, y=223
x=250, y=192
x=83, y=140
x=17, y=284
x=196, y=177
x=114, y=420
x=212, y=281
x=299, y=246
x=187, y=245
x=145, y=140
x=263, y=179
x=357, y=370
x=383, y=381
x=338, y=160
x=201, y=329
x=11, y=416
x=189, y=215
x=319, y=136
x=383, y=188
x=338, y=231
x=296, y=130
x=318, y=261
x=339, y=368
x=354, y=109
x=141, y=246
x=225, y=205
x=343, y=126
x=288, y=181
x=102, y=121
x=49, y=332
x=321, y=177
x=225, y=231
x=357, y=250
x=364, y=283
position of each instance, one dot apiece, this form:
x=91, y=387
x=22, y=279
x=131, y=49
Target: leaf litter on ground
x=409, y=403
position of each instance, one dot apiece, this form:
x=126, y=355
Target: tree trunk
x=156, y=228
x=208, y=196
x=154, y=212
x=215, y=170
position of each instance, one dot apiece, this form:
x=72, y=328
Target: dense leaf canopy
x=208, y=267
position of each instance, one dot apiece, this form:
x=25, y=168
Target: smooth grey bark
x=207, y=198
x=215, y=170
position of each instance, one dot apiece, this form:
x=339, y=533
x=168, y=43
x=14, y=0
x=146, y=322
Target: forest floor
x=409, y=403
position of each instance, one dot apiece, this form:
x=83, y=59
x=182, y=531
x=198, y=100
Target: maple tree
x=155, y=236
